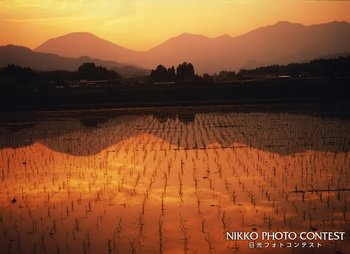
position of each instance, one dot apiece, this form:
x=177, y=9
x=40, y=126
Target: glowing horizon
x=143, y=24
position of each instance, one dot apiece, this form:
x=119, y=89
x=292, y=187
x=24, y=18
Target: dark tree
x=226, y=75
x=161, y=74
x=18, y=73
x=90, y=71
x=207, y=77
x=185, y=72
x=172, y=73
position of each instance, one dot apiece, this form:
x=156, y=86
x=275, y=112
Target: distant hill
x=325, y=67
x=86, y=44
x=25, y=57
x=281, y=43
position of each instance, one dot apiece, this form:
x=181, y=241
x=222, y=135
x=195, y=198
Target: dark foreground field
x=291, y=92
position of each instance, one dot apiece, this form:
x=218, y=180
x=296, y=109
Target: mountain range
x=281, y=43
x=23, y=56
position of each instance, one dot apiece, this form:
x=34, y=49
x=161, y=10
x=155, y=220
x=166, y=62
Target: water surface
x=171, y=181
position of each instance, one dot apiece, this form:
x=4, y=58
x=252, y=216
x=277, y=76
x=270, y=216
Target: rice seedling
x=139, y=185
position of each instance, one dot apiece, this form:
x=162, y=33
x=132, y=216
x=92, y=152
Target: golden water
x=148, y=184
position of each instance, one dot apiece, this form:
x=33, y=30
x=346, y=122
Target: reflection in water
x=149, y=186
x=278, y=133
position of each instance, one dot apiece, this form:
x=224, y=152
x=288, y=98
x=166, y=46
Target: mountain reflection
x=171, y=187
x=89, y=134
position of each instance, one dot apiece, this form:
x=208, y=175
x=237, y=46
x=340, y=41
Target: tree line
x=87, y=71
x=335, y=67
x=183, y=72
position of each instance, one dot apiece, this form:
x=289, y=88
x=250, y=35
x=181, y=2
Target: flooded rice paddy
x=112, y=182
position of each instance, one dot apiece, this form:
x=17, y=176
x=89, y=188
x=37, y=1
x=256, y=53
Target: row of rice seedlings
x=247, y=179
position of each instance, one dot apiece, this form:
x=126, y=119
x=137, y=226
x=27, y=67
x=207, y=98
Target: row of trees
x=222, y=76
x=87, y=71
x=18, y=73
x=90, y=71
x=184, y=72
x=338, y=67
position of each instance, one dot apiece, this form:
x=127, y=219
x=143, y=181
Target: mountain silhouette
x=286, y=42
x=26, y=57
x=281, y=43
x=86, y=44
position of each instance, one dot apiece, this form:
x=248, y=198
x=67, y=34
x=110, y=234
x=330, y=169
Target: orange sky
x=142, y=24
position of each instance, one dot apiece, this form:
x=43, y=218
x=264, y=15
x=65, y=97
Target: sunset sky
x=142, y=24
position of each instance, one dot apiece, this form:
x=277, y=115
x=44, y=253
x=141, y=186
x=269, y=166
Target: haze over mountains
x=86, y=44
x=26, y=57
x=281, y=43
